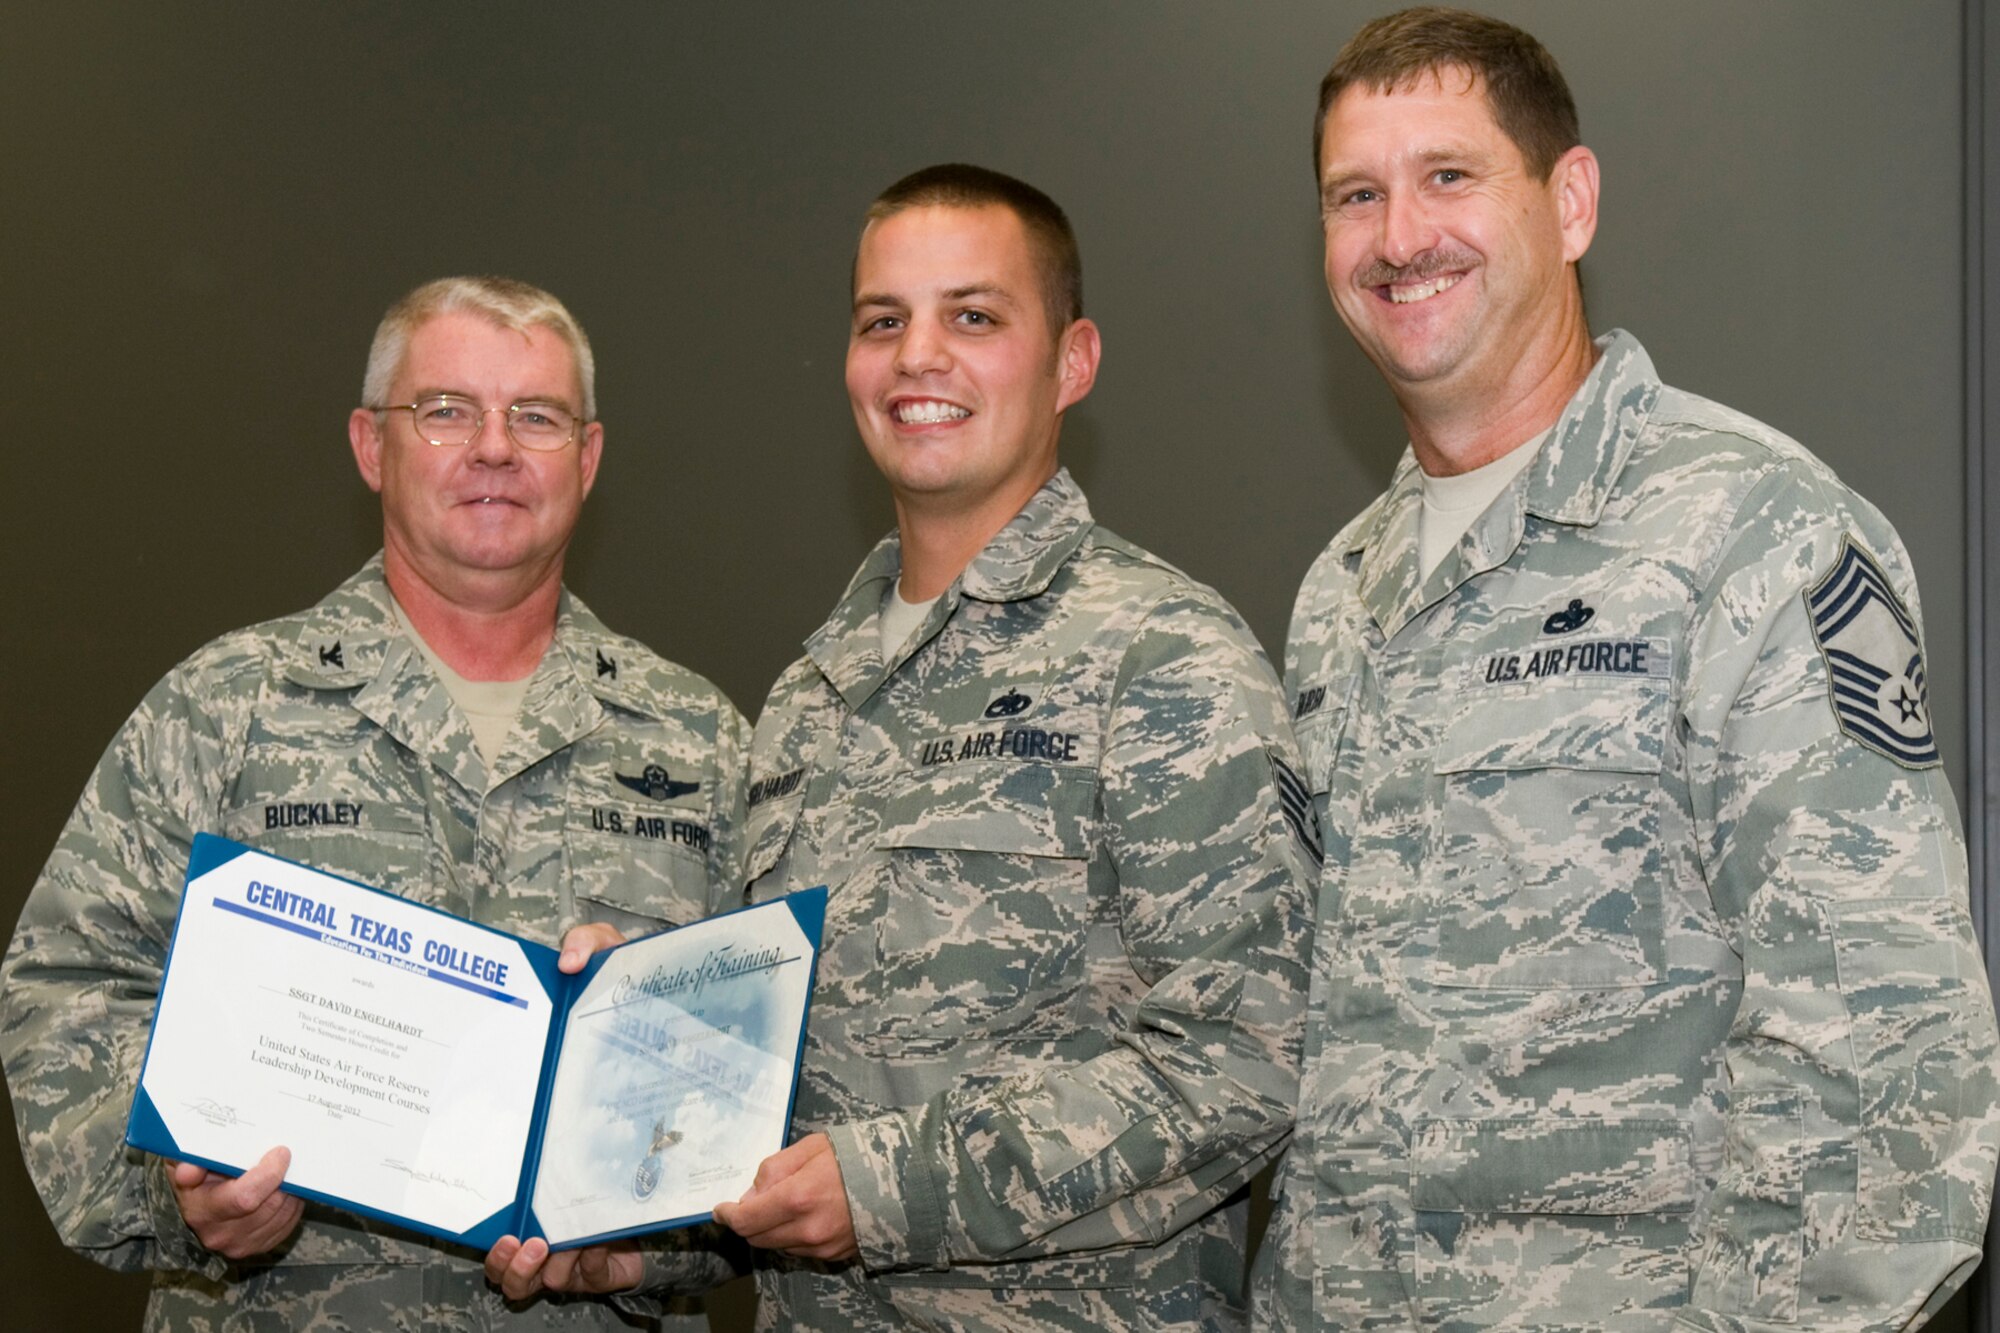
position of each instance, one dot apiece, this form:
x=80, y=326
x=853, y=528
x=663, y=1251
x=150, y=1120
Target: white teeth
x=1424, y=291
x=927, y=413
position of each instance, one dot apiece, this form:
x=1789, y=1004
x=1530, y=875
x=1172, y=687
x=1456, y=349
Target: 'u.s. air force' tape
x=1612, y=658
x=1874, y=664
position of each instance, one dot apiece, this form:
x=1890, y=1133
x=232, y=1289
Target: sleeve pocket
x=1922, y=1049
x=1755, y=1248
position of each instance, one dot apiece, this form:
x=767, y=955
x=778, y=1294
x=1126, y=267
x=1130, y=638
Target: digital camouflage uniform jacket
x=327, y=738
x=1057, y=1015
x=1644, y=989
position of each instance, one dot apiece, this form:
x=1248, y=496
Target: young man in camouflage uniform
x=449, y=725
x=1645, y=992
x=1046, y=777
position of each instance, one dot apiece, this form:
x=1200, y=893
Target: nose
x=490, y=442
x=1407, y=229
x=922, y=349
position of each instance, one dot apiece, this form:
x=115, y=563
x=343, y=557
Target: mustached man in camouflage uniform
x=1644, y=991
x=449, y=725
x=1048, y=779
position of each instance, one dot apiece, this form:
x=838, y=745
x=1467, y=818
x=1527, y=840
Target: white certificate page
x=395, y=1050
x=675, y=1077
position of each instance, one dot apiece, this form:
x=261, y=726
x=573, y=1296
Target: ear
x=1574, y=181
x=364, y=434
x=589, y=451
x=1076, y=363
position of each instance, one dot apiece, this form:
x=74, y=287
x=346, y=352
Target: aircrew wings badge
x=1874, y=664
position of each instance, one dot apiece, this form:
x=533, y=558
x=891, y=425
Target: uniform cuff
x=893, y=1192
x=175, y=1243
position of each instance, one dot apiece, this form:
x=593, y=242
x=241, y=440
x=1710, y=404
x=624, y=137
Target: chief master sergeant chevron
x=449, y=724
x=1045, y=776
x=1644, y=988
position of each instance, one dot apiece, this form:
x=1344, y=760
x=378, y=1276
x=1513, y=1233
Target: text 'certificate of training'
x=676, y=1073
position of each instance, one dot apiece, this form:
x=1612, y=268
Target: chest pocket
x=638, y=869
x=767, y=836
x=987, y=902
x=1545, y=861
x=383, y=846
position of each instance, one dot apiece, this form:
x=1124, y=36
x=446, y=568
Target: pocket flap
x=1024, y=808
x=1553, y=1165
x=1612, y=728
x=767, y=832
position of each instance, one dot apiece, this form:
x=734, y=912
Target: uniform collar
x=1569, y=482
x=1020, y=562
x=351, y=640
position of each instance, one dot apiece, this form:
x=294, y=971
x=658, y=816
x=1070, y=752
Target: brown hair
x=959, y=185
x=1524, y=87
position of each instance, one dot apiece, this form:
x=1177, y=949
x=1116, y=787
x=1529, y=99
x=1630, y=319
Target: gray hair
x=505, y=301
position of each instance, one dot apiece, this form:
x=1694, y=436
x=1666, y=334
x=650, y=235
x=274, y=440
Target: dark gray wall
x=1982, y=508
x=208, y=206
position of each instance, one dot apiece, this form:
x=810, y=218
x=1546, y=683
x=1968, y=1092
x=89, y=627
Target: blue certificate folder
x=443, y=1076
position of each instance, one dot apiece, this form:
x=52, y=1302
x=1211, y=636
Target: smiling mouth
x=927, y=412
x=1422, y=291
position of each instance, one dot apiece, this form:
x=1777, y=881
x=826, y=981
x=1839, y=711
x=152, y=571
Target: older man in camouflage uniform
x=1644, y=990
x=450, y=725
x=1046, y=777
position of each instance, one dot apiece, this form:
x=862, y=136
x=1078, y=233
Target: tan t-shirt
x=491, y=706
x=899, y=619
x=1452, y=503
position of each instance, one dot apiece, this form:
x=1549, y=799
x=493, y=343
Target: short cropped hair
x=1050, y=237
x=1525, y=89
x=506, y=302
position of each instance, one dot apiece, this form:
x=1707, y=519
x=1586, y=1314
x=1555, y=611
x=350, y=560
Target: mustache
x=1421, y=268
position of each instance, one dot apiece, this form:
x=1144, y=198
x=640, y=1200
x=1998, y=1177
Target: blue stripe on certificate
x=350, y=946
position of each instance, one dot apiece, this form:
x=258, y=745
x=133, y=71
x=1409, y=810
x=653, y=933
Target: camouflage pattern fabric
x=326, y=737
x=1645, y=995
x=1057, y=1016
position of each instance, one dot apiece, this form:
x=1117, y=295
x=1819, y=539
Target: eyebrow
x=545, y=399
x=884, y=299
x=1433, y=156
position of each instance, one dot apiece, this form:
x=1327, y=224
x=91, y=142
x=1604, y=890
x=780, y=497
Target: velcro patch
x=1874, y=664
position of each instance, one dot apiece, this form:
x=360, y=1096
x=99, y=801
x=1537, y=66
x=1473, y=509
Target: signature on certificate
x=218, y=1114
x=432, y=1177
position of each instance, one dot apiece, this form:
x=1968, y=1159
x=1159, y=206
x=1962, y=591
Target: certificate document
x=444, y=1075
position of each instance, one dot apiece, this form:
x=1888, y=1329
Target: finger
x=757, y=1219
x=526, y=1274
x=254, y=1187
x=597, y=1269
x=499, y=1257
x=830, y=1250
x=272, y=1231
x=559, y=1273
x=582, y=941
x=276, y=1213
x=188, y=1175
